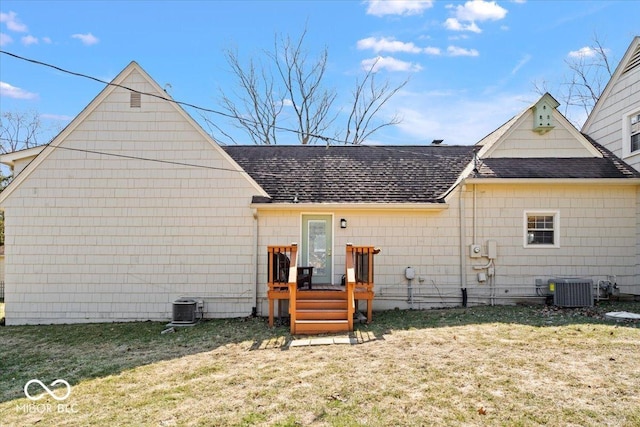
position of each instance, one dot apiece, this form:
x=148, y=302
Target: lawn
x=490, y=366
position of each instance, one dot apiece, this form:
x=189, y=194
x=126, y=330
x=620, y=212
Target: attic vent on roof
x=135, y=100
x=634, y=61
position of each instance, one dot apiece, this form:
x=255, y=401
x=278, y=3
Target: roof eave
x=313, y=207
x=555, y=181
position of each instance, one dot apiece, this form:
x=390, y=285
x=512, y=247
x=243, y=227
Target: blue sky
x=471, y=65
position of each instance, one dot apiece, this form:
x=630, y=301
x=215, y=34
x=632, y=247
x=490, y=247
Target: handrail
x=360, y=274
x=350, y=281
x=281, y=270
x=293, y=286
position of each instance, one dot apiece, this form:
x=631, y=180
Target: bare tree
x=19, y=130
x=589, y=72
x=291, y=89
x=302, y=81
x=368, y=99
x=258, y=104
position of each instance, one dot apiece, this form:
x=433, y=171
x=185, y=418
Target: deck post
x=281, y=264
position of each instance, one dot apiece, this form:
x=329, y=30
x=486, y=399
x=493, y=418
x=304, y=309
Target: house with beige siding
x=615, y=119
x=133, y=207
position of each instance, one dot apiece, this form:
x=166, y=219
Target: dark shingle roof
x=354, y=174
x=609, y=166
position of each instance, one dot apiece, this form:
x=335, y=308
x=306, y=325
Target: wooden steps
x=320, y=312
x=312, y=327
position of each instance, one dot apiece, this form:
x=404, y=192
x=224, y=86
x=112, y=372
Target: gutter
x=351, y=206
x=552, y=181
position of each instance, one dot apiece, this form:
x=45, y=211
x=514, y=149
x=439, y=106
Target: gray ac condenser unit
x=575, y=292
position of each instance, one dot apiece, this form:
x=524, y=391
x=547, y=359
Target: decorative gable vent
x=543, y=120
x=634, y=61
x=135, y=100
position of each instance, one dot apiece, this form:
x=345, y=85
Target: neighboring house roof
x=630, y=60
x=353, y=174
x=9, y=159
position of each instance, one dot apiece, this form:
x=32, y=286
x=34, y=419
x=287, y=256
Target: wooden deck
x=325, y=307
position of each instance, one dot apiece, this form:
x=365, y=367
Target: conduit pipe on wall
x=475, y=211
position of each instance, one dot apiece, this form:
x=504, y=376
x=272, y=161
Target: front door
x=317, y=246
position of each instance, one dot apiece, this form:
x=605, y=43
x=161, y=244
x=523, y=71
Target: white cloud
x=15, y=92
x=480, y=10
x=58, y=117
x=46, y=40
x=432, y=50
x=398, y=7
x=389, y=63
x=86, y=39
x=466, y=16
x=521, y=64
x=460, y=51
x=28, y=40
x=12, y=22
x=387, y=45
x=455, y=25
x=5, y=39
x=584, y=52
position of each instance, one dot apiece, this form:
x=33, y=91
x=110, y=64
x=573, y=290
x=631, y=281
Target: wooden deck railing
x=350, y=283
x=282, y=268
x=360, y=258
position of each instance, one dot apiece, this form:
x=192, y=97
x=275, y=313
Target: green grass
x=525, y=366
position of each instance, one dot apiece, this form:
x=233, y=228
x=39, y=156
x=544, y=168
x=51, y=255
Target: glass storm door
x=317, y=246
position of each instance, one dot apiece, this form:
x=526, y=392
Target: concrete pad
x=322, y=341
x=622, y=315
x=300, y=343
x=345, y=340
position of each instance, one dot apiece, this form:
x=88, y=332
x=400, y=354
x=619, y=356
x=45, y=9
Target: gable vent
x=634, y=61
x=136, y=100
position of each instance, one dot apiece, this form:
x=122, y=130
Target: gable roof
x=490, y=144
x=592, y=162
x=353, y=174
x=115, y=84
x=630, y=60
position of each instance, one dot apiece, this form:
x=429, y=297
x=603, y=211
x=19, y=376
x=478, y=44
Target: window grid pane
x=540, y=230
x=635, y=142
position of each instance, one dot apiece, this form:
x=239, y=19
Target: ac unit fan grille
x=184, y=311
x=572, y=292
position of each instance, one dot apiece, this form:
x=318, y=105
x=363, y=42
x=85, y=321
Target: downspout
x=463, y=252
x=475, y=215
x=254, y=309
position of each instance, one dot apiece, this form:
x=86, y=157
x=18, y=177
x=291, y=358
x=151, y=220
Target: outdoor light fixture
x=343, y=223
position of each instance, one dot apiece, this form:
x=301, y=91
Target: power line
x=186, y=104
x=181, y=103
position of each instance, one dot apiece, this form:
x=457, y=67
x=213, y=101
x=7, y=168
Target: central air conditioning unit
x=184, y=311
x=571, y=292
